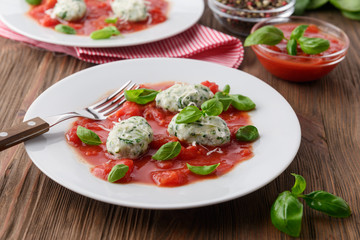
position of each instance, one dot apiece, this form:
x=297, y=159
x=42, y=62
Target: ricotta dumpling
x=208, y=131
x=130, y=138
x=69, y=10
x=130, y=10
x=181, y=95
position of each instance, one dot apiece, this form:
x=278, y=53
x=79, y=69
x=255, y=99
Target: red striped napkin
x=198, y=42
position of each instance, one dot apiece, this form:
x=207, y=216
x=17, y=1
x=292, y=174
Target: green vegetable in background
x=287, y=210
x=349, y=8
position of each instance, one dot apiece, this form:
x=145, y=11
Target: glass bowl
x=240, y=20
x=303, y=68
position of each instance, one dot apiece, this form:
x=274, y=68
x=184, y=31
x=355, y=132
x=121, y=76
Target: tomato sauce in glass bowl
x=302, y=67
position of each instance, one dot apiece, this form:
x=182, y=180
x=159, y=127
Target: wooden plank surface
x=35, y=207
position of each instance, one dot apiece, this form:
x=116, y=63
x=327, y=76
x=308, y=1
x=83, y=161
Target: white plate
x=182, y=15
x=274, y=151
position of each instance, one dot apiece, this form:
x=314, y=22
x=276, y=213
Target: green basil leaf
x=299, y=186
x=65, y=29
x=298, y=32
x=167, y=151
x=286, y=214
x=268, y=35
x=328, y=203
x=87, y=136
x=351, y=15
x=111, y=20
x=226, y=89
x=313, y=45
x=141, y=96
x=242, y=103
x=118, y=172
x=300, y=6
x=202, y=170
x=33, y=2
x=291, y=47
x=224, y=99
x=105, y=33
x=188, y=115
x=247, y=133
x=347, y=5
x=212, y=107
x=314, y=4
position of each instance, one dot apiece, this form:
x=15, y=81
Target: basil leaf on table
x=347, y=5
x=167, y=151
x=299, y=186
x=268, y=35
x=328, y=203
x=247, y=133
x=118, y=172
x=111, y=20
x=298, y=32
x=242, y=103
x=65, y=29
x=313, y=45
x=202, y=170
x=33, y=2
x=87, y=136
x=105, y=33
x=188, y=115
x=224, y=99
x=286, y=214
x=212, y=107
x=291, y=47
x=141, y=96
x=300, y=6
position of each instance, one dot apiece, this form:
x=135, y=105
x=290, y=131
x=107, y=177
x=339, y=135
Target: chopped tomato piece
x=129, y=109
x=213, y=86
x=170, y=178
x=160, y=140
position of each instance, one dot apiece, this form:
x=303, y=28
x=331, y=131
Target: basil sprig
x=247, y=133
x=240, y=102
x=141, y=96
x=105, y=33
x=287, y=210
x=118, y=172
x=202, y=170
x=212, y=107
x=270, y=35
x=87, y=136
x=167, y=151
x=65, y=29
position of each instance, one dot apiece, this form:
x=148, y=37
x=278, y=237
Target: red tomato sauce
x=168, y=173
x=97, y=12
x=303, y=67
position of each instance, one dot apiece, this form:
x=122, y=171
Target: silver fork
x=37, y=126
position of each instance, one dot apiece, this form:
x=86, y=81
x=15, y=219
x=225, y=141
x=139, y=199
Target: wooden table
x=35, y=207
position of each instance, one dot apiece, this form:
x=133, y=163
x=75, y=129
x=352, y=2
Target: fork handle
x=22, y=132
